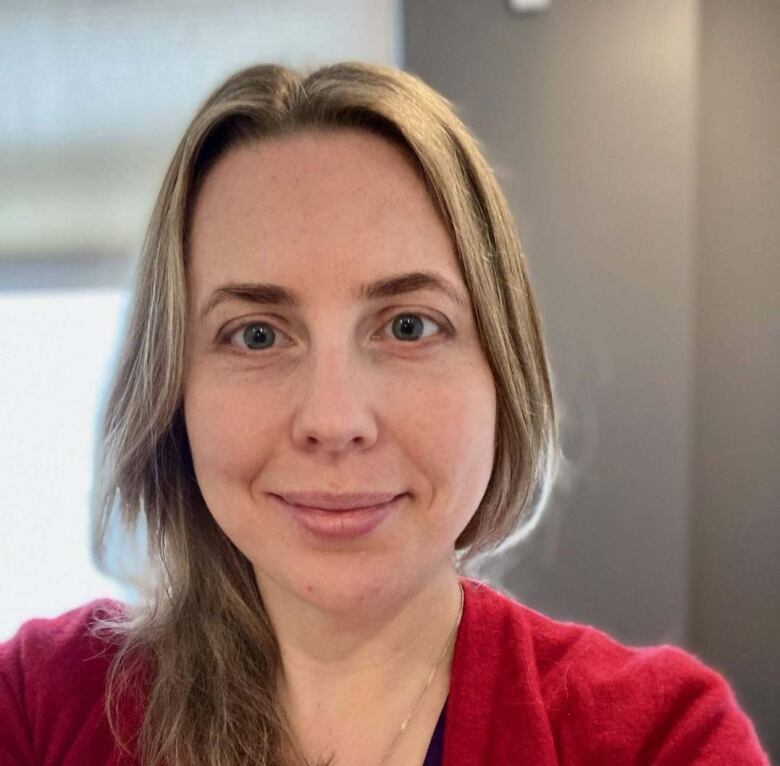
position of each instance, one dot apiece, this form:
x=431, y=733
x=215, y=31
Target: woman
x=333, y=393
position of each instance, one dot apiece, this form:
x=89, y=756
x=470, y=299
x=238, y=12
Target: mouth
x=330, y=501
x=341, y=523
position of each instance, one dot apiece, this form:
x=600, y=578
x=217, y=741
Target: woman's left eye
x=260, y=335
x=409, y=326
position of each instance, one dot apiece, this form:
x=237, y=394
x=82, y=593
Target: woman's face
x=319, y=384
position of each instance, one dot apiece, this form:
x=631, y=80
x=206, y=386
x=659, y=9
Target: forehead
x=316, y=209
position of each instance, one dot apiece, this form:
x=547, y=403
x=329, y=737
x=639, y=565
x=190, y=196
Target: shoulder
x=55, y=647
x=52, y=679
x=658, y=704
x=65, y=631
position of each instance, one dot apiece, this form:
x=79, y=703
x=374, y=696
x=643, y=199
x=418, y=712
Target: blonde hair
x=202, y=647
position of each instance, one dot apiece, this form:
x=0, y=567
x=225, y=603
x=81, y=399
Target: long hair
x=202, y=644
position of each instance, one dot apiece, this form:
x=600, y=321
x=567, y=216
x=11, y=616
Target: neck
x=337, y=667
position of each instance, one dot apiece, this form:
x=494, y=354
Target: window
x=57, y=349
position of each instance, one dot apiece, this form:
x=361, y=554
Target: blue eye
x=256, y=336
x=260, y=336
x=407, y=326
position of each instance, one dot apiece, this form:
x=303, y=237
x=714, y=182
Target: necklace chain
x=425, y=688
x=428, y=682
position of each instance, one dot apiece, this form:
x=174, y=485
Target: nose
x=333, y=408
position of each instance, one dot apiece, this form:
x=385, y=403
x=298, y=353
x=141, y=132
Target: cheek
x=451, y=440
x=225, y=434
x=457, y=420
x=228, y=441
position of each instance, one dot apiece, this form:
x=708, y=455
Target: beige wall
x=591, y=114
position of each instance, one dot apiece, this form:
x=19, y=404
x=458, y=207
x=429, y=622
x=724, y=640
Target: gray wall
x=597, y=117
x=735, y=605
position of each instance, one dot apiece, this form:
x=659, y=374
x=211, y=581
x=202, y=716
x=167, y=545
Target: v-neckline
x=436, y=746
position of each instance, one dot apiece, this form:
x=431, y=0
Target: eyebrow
x=276, y=295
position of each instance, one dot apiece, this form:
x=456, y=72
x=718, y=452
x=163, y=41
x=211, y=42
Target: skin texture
x=341, y=402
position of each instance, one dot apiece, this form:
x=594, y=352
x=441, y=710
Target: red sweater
x=525, y=689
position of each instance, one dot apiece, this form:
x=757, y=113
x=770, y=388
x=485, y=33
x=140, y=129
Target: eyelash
x=226, y=337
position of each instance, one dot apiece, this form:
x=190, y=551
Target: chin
x=351, y=585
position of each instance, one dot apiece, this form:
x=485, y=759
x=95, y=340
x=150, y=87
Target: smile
x=340, y=523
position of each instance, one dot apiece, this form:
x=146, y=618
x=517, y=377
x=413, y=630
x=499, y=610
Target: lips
x=340, y=523
x=330, y=501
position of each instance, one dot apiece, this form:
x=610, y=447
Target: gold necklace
x=428, y=682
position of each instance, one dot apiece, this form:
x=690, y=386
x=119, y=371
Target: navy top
x=436, y=748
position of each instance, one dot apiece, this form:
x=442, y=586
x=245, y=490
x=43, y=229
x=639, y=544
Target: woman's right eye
x=255, y=336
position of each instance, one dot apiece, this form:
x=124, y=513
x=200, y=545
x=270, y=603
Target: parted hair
x=199, y=655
